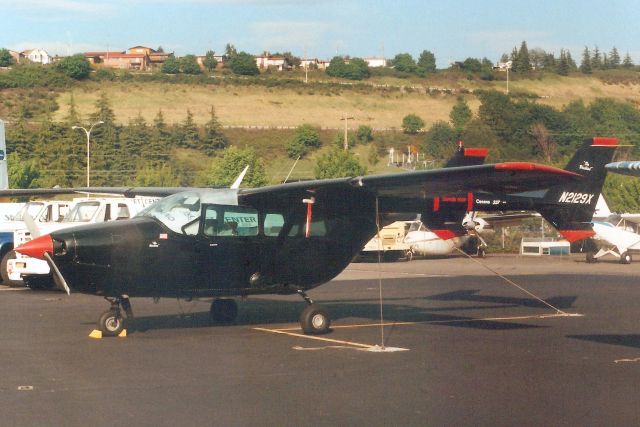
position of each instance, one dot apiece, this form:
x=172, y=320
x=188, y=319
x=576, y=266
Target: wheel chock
x=95, y=334
x=123, y=334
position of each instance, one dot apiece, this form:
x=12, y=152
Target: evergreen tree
x=159, y=142
x=614, y=58
x=214, y=139
x=523, y=62
x=189, y=135
x=585, y=65
x=226, y=169
x=105, y=146
x=627, y=62
x=563, y=65
x=596, y=59
x=571, y=62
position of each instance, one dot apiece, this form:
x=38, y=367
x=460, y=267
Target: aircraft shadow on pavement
x=277, y=312
x=627, y=340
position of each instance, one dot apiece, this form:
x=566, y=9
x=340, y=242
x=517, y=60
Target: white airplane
x=615, y=237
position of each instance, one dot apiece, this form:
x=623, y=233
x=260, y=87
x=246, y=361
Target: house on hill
x=37, y=55
x=156, y=58
x=375, y=62
x=278, y=62
x=119, y=60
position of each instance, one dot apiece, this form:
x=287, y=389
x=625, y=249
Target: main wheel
x=482, y=253
x=625, y=258
x=223, y=310
x=591, y=258
x=315, y=320
x=110, y=323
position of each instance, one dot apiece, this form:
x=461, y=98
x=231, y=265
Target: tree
x=356, y=69
x=427, y=61
x=171, y=65
x=596, y=59
x=243, y=64
x=472, y=65
x=585, y=65
x=440, y=140
x=189, y=65
x=210, y=62
x=543, y=138
x=338, y=163
x=6, y=60
x=563, y=66
x=214, y=138
x=77, y=67
x=364, y=134
x=627, y=62
x=412, y=124
x=230, y=51
x=225, y=170
x=405, y=63
x=22, y=174
x=523, y=62
x=305, y=138
x=614, y=58
x=460, y=115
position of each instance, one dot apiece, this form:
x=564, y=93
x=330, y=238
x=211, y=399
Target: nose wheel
x=314, y=319
x=223, y=310
x=111, y=322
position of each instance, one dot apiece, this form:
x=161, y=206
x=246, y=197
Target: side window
x=123, y=211
x=273, y=223
x=221, y=220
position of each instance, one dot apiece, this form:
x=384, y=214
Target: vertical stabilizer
x=4, y=176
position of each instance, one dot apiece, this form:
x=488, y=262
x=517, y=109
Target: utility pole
x=346, y=140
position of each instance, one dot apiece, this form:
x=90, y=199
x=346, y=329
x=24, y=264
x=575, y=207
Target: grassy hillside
x=323, y=106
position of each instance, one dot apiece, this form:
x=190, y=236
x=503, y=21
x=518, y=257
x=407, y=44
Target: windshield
x=176, y=211
x=32, y=208
x=82, y=212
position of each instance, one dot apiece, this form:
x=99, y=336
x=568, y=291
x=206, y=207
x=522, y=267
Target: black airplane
x=280, y=239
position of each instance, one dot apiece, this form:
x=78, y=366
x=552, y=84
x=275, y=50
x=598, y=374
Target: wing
x=399, y=192
x=625, y=168
x=110, y=191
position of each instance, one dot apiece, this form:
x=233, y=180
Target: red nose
x=37, y=247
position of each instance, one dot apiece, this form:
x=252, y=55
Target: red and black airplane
x=280, y=239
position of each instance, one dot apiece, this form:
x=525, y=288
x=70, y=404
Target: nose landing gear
x=111, y=322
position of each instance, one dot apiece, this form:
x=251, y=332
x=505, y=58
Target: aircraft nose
x=36, y=248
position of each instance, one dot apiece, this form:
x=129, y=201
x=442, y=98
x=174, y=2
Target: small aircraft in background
x=228, y=242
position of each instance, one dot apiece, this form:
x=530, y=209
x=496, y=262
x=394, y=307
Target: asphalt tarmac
x=463, y=347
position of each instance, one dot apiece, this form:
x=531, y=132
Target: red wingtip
x=36, y=248
x=476, y=152
x=575, y=235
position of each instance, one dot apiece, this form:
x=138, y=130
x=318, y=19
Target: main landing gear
x=314, y=319
x=111, y=322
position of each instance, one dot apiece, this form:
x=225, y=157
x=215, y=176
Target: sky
x=453, y=31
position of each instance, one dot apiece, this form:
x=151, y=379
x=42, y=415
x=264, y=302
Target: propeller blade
x=31, y=226
x=57, y=276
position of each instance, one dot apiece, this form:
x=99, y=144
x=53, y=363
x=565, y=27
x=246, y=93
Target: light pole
x=88, y=132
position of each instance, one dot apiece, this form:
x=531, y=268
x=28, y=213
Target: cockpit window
x=32, y=208
x=179, y=212
x=82, y=212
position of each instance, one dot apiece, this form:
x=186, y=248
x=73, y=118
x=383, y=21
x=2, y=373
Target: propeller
x=58, y=278
x=31, y=226
x=238, y=181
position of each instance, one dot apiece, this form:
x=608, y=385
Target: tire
x=482, y=253
x=223, y=310
x=3, y=270
x=590, y=258
x=315, y=320
x=625, y=258
x=110, y=323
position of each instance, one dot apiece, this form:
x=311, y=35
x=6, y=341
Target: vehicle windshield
x=176, y=211
x=82, y=212
x=32, y=208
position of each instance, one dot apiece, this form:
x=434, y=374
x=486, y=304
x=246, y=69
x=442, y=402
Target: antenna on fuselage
x=238, y=181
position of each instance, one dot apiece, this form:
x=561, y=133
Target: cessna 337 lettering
x=280, y=239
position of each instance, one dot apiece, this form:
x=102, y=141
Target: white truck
x=42, y=212
x=35, y=273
